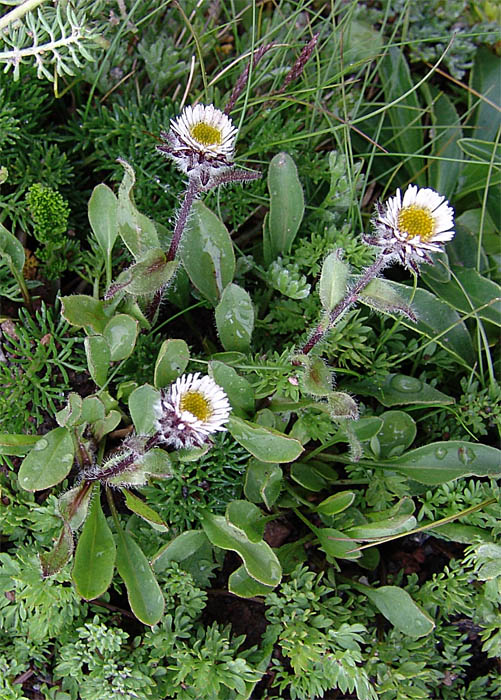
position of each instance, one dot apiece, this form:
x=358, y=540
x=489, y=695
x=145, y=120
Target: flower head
x=190, y=410
x=200, y=140
x=413, y=227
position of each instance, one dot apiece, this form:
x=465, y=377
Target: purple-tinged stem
x=189, y=197
x=352, y=296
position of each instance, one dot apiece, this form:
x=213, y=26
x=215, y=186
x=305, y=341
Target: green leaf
x=52, y=562
x=84, y=311
x=336, y=503
x=485, y=80
x=399, y=390
x=102, y=210
x=405, y=117
x=483, y=151
x=207, y=252
x=150, y=274
x=70, y=415
x=286, y=207
x=239, y=391
x=95, y=555
x=74, y=504
x=11, y=249
x=155, y=462
x=342, y=405
x=317, y=378
x=396, y=435
x=137, y=231
x=172, y=359
x=396, y=525
x=466, y=534
x=380, y=295
x=141, y=407
x=98, y=355
x=263, y=482
x=180, y=548
x=235, y=318
x=443, y=175
x=462, y=250
x=17, y=445
x=440, y=462
x=488, y=559
x=106, y=425
x=138, y=506
x=92, y=410
x=49, y=462
x=247, y=517
x=120, y=333
x=439, y=269
x=305, y=475
x=362, y=43
x=437, y=321
x=145, y=597
x=398, y=607
x=259, y=560
x=335, y=543
x=333, y=280
x=365, y=428
x=265, y=444
x=244, y=586
x=471, y=292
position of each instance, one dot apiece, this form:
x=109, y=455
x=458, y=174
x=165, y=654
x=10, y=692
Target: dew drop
x=41, y=444
x=440, y=452
x=405, y=384
x=465, y=455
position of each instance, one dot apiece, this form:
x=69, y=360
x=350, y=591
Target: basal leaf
x=171, y=362
x=259, y=560
x=399, y=608
x=145, y=596
x=49, y=462
x=102, y=210
x=400, y=390
x=207, y=252
x=265, y=444
x=95, y=555
x=286, y=207
x=136, y=230
x=235, y=318
x=440, y=462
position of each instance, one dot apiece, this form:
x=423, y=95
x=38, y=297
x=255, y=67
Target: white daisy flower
x=415, y=226
x=190, y=410
x=201, y=139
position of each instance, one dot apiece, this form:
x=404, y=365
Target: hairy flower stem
x=190, y=195
x=127, y=461
x=230, y=176
x=352, y=296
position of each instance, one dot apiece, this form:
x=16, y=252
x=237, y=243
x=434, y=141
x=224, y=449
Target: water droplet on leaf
x=466, y=455
x=405, y=384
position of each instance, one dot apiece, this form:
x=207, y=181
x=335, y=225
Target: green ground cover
x=249, y=353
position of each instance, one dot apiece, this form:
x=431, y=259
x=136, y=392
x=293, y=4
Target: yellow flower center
x=416, y=221
x=206, y=134
x=196, y=404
